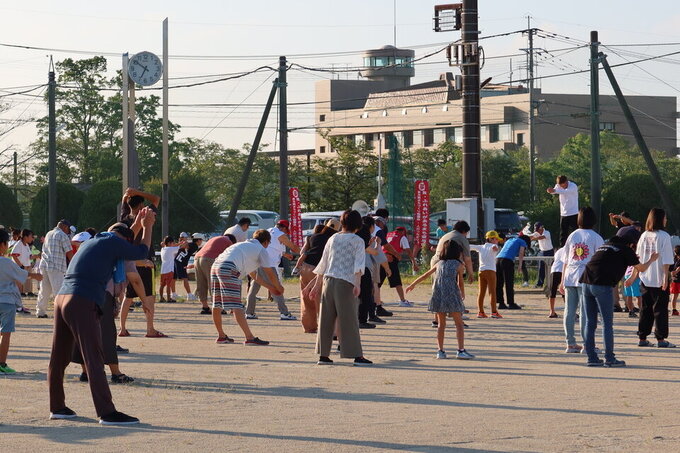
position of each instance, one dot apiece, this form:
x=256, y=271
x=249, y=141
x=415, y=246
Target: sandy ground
x=522, y=393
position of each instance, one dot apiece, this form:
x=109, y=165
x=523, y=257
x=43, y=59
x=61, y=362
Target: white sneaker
x=405, y=303
x=287, y=317
x=464, y=355
x=174, y=296
x=191, y=297
x=441, y=354
x=253, y=316
x=525, y=284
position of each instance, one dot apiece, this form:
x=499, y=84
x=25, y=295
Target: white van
x=258, y=220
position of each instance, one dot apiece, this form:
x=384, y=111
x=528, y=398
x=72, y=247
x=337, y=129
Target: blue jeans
x=598, y=299
x=542, y=266
x=572, y=305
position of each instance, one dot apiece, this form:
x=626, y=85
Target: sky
x=220, y=37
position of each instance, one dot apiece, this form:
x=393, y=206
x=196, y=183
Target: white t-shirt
x=276, y=249
x=238, y=233
x=24, y=252
x=580, y=248
x=403, y=243
x=543, y=244
x=247, y=256
x=558, y=261
x=654, y=241
x=568, y=199
x=168, y=259
x=487, y=256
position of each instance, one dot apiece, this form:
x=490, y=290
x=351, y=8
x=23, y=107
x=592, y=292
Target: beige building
x=427, y=114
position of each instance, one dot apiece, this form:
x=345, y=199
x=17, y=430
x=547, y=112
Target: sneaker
x=514, y=307
x=441, y=354
x=253, y=316
x=675, y=313
x=24, y=310
x=32, y=295
x=255, y=342
x=23, y=294
x=225, y=340
x=405, y=303
x=502, y=306
x=380, y=311
x=121, y=379
x=636, y=310
x=324, y=361
x=206, y=311
x=174, y=296
x=525, y=284
x=62, y=414
x=465, y=317
x=366, y=325
x=4, y=368
x=42, y=316
x=496, y=315
x=172, y=301
x=482, y=315
x=632, y=314
x=573, y=349
x=644, y=343
x=598, y=362
x=224, y=312
x=160, y=301
x=121, y=350
x=287, y=317
x=191, y=297
x=597, y=350
x=375, y=319
x=435, y=324
x=614, y=364
x=553, y=315
x=618, y=309
x=118, y=418
x=665, y=344
x=361, y=361
x=462, y=354
x=625, y=310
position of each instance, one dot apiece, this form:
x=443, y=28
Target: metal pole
x=165, y=226
x=667, y=201
x=251, y=157
x=595, y=167
x=52, y=152
x=471, y=114
x=283, y=140
x=133, y=160
x=532, y=145
x=16, y=176
x=125, y=101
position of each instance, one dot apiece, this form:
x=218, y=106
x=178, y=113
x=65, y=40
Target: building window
x=484, y=133
x=404, y=112
x=439, y=136
x=428, y=137
x=520, y=139
x=322, y=149
x=424, y=110
x=368, y=138
x=505, y=132
x=493, y=133
x=607, y=126
x=408, y=139
x=450, y=134
x=322, y=118
x=458, y=135
x=445, y=108
x=417, y=138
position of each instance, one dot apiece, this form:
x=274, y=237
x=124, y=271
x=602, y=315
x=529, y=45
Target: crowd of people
x=95, y=277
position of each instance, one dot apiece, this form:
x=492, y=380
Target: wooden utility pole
x=595, y=168
x=165, y=225
x=283, y=139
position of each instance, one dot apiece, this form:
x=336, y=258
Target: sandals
x=121, y=379
x=124, y=333
x=156, y=334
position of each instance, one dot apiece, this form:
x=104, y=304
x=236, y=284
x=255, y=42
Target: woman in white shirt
x=654, y=280
x=338, y=279
x=580, y=248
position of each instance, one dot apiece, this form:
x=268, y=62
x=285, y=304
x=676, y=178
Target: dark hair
x=26, y=232
x=135, y=201
x=586, y=218
x=441, y=222
x=655, y=219
x=382, y=212
x=231, y=237
x=676, y=250
x=526, y=239
x=92, y=231
x=16, y=232
x=123, y=230
x=244, y=221
x=262, y=236
x=168, y=240
x=561, y=179
x=450, y=251
x=4, y=236
x=350, y=220
x=461, y=226
x=319, y=228
x=365, y=234
x=368, y=220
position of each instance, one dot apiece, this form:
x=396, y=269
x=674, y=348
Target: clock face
x=145, y=68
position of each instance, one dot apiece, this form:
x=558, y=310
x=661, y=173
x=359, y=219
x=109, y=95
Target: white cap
x=73, y=229
x=198, y=236
x=81, y=237
x=184, y=235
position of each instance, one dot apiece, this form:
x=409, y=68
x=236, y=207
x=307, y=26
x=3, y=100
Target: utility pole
x=595, y=169
x=52, y=149
x=283, y=140
x=165, y=225
x=126, y=82
x=16, y=176
x=532, y=145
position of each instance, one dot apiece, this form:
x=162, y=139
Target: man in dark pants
x=505, y=271
x=77, y=311
x=568, y=193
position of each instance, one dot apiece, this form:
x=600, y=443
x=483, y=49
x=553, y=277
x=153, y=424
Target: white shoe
x=174, y=296
x=405, y=303
x=441, y=354
x=525, y=284
x=191, y=297
x=465, y=317
x=287, y=317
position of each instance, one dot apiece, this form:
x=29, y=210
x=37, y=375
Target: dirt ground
x=522, y=393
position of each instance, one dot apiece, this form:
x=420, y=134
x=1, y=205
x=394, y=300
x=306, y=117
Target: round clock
x=145, y=68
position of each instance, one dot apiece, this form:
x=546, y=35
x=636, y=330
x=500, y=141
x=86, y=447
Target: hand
x=388, y=272
x=470, y=278
x=129, y=192
x=416, y=267
x=561, y=289
x=409, y=288
x=148, y=217
x=550, y=190
x=356, y=291
x=36, y=276
x=653, y=256
x=628, y=283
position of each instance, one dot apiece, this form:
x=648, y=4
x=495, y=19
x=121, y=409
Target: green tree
x=10, y=212
x=69, y=201
x=100, y=207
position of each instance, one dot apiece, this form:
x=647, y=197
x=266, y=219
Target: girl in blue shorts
x=632, y=291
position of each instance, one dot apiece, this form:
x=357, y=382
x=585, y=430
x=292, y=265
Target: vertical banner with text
x=295, y=216
x=421, y=212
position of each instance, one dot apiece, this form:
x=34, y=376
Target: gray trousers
x=255, y=287
x=338, y=302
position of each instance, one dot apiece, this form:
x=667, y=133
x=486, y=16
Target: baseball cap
x=400, y=228
x=538, y=225
x=198, y=236
x=493, y=234
x=379, y=219
x=283, y=223
x=334, y=224
x=65, y=222
x=81, y=237
x=184, y=234
x=630, y=234
x=73, y=229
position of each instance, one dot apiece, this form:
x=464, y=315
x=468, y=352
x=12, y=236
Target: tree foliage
x=100, y=207
x=69, y=200
x=10, y=212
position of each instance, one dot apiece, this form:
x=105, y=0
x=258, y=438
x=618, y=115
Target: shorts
x=395, y=278
x=146, y=274
x=675, y=287
x=225, y=281
x=8, y=313
x=554, y=284
x=167, y=278
x=633, y=290
x=180, y=272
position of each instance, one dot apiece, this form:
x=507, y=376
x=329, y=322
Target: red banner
x=295, y=218
x=421, y=212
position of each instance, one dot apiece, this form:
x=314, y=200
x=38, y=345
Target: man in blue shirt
x=505, y=271
x=77, y=311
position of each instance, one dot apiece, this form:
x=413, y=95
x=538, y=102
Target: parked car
x=506, y=221
x=312, y=219
x=258, y=220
